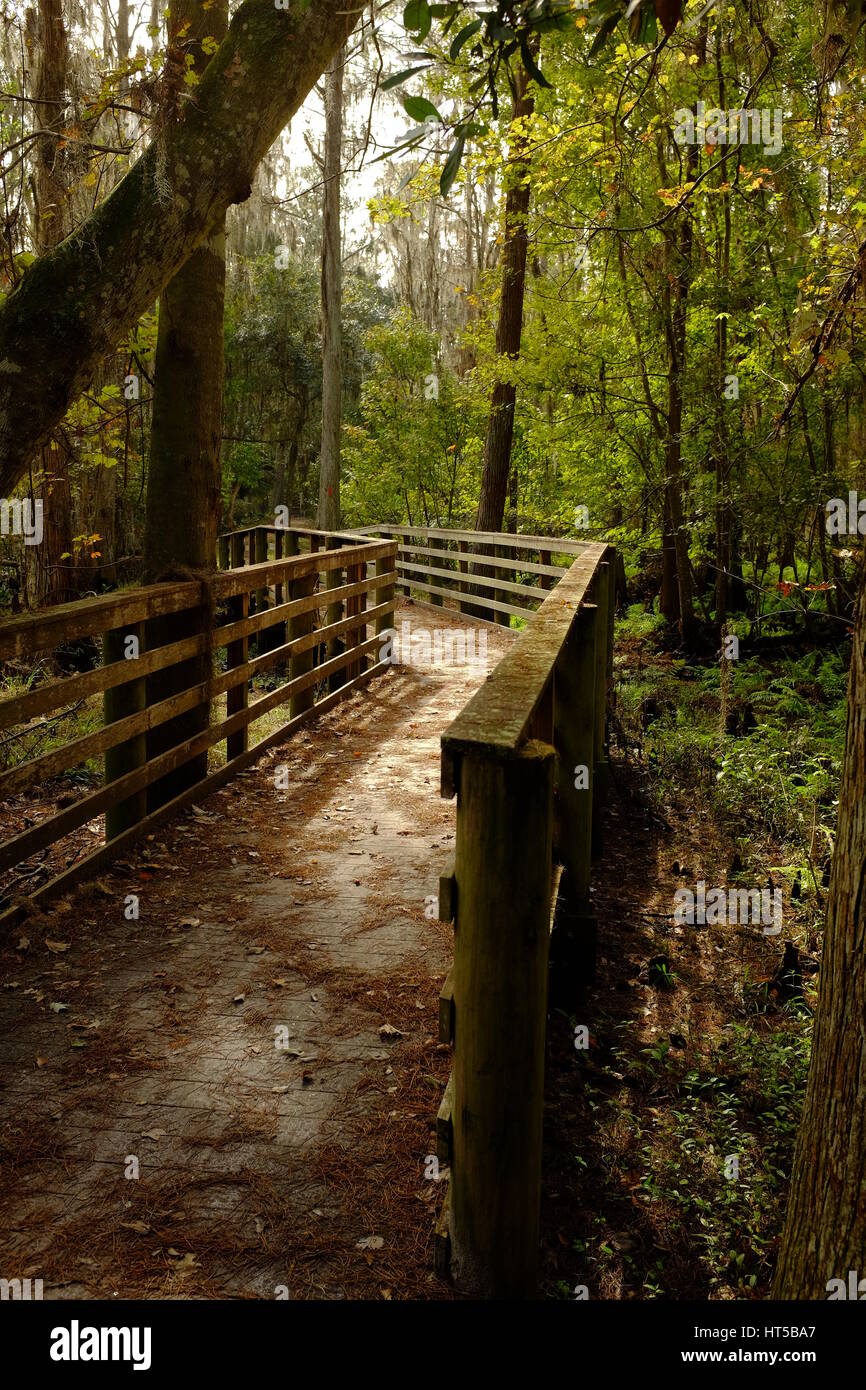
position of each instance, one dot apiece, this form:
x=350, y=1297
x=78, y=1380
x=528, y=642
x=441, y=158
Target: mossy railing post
x=237, y=654
x=602, y=585
x=502, y=874
x=573, y=944
x=122, y=700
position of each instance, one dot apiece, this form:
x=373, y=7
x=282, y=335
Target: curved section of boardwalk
x=234, y=1094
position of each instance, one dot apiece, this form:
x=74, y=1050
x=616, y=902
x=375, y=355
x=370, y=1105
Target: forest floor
x=299, y=1170
x=686, y=1070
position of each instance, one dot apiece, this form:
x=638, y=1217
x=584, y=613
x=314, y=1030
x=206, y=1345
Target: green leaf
x=531, y=66
x=606, y=28
x=420, y=109
x=397, y=77
x=416, y=16
x=465, y=33
x=452, y=165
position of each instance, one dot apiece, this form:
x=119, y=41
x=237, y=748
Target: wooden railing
x=526, y=759
x=278, y=602
x=494, y=575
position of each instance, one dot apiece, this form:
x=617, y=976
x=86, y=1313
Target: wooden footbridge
x=191, y=695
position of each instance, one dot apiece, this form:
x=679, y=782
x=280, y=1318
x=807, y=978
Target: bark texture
x=500, y=424
x=332, y=293
x=825, y=1228
x=183, y=490
x=74, y=304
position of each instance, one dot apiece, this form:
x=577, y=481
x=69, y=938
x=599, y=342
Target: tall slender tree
x=332, y=290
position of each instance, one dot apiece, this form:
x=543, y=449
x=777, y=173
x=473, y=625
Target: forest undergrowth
x=669, y=1139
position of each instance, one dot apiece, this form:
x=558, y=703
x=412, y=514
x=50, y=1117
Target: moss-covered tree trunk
x=74, y=304
x=184, y=481
x=825, y=1229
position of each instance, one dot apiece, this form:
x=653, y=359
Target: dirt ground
x=232, y=1047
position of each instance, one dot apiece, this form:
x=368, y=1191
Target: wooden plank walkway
x=150, y=1046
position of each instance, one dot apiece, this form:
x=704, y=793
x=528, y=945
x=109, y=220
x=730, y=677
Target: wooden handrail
x=289, y=633
x=526, y=759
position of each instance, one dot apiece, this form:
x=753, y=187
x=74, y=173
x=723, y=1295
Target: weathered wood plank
x=500, y=712
x=506, y=585
x=556, y=545
x=496, y=561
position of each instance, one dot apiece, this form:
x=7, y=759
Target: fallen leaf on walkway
x=239, y=998
x=141, y=1227
x=59, y=1008
x=156, y=1134
x=189, y=922
x=279, y=1090
x=57, y=947
x=281, y=982
x=23, y=943
x=370, y=1243
x=389, y=1031
x=41, y=1061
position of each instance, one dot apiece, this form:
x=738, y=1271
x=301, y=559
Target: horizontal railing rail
x=527, y=761
x=279, y=602
x=492, y=575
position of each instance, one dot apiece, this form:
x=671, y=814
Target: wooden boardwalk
x=260, y=1045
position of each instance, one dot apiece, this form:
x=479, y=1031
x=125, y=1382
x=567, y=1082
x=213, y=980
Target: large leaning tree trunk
x=74, y=304
x=51, y=564
x=184, y=479
x=825, y=1229
x=332, y=293
x=500, y=423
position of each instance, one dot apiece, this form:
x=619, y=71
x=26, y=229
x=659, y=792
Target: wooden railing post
x=463, y=566
x=502, y=595
x=353, y=576
x=333, y=614
x=433, y=562
x=300, y=626
x=385, y=594
x=129, y=698
x=602, y=584
x=361, y=634
x=573, y=945
x=224, y=551
x=546, y=579
x=503, y=879
x=237, y=654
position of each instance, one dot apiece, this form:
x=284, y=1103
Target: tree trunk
x=825, y=1229
x=75, y=303
x=52, y=570
x=184, y=480
x=332, y=286
x=676, y=293
x=500, y=424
